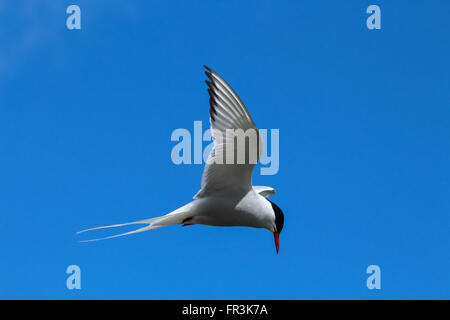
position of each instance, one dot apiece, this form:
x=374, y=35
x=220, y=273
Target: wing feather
x=228, y=114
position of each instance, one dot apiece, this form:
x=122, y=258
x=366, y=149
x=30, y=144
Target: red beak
x=276, y=236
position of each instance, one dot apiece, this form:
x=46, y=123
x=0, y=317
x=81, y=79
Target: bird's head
x=277, y=224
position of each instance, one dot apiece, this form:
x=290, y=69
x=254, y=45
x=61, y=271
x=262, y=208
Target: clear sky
x=86, y=118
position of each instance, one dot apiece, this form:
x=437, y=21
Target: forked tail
x=175, y=217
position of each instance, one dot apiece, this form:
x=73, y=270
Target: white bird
x=226, y=197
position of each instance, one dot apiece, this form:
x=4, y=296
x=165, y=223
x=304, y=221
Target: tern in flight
x=226, y=197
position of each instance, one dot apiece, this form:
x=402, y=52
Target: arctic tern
x=226, y=197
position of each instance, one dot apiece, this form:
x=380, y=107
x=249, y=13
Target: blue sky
x=86, y=118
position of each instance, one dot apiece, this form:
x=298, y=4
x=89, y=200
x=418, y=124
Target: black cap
x=279, y=217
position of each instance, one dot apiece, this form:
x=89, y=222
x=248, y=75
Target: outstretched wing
x=237, y=143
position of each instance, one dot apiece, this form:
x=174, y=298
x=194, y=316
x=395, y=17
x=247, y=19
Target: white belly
x=250, y=210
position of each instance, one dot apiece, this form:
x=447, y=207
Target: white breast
x=249, y=210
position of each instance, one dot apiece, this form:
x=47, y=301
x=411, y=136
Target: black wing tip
x=210, y=84
x=209, y=75
x=212, y=111
x=209, y=72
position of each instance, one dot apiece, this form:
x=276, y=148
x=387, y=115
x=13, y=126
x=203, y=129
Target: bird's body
x=234, y=209
x=227, y=197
